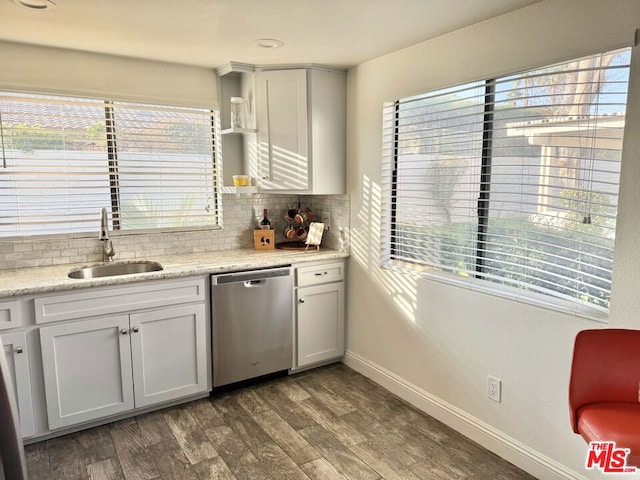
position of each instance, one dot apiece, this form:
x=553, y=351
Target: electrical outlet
x=326, y=219
x=494, y=388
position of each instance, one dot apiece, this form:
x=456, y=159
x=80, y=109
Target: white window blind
x=65, y=158
x=511, y=180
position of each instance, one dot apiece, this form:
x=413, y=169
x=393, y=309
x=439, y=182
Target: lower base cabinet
x=169, y=354
x=319, y=313
x=109, y=365
x=87, y=370
x=320, y=323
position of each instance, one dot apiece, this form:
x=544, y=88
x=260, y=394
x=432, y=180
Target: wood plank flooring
x=328, y=423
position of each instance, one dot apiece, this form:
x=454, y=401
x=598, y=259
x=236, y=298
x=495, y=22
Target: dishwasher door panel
x=252, y=327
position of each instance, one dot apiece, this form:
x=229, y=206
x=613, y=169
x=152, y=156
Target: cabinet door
x=87, y=370
x=320, y=321
x=17, y=354
x=282, y=121
x=169, y=351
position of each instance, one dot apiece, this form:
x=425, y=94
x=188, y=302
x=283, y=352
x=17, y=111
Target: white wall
x=38, y=69
x=435, y=343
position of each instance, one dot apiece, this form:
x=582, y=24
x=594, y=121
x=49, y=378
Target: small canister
x=238, y=112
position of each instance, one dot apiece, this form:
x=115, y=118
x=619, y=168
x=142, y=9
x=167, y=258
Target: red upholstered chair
x=604, y=390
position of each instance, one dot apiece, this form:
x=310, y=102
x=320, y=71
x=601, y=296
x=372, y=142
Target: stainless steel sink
x=115, y=269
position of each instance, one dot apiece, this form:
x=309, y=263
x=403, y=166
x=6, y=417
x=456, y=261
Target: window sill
x=112, y=233
x=568, y=307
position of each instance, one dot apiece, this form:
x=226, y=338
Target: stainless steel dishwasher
x=252, y=315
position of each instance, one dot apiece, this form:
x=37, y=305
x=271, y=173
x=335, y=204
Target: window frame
x=389, y=230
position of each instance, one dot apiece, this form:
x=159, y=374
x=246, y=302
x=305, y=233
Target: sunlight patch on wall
x=365, y=249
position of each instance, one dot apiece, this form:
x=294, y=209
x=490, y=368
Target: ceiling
x=212, y=32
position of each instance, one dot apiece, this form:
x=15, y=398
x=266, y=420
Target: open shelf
x=236, y=190
x=228, y=131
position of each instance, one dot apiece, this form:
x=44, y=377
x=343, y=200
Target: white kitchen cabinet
x=87, y=370
x=320, y=323
x=17, y=354
x=301, y=123
x=117, y=358
x=283, y=153
x=320, y=313
x=168, y=348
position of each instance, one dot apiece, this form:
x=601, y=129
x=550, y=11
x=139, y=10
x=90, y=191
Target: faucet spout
x=104, y=225
x=107, y=251
x=107, y=246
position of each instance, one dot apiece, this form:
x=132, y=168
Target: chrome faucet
x=107, y=245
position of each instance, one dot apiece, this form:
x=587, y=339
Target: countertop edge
x=49, y=279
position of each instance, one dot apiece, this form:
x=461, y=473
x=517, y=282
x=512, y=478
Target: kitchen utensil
x=304, y=215
x=301, y=233
x=290, y=232
x=290, y=215
x=300, y=217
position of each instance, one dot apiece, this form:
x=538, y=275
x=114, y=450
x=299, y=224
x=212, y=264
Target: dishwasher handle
x=254, y=283
x=251, y=276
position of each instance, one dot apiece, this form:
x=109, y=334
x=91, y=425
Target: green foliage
x=533, y=257
x=97, y=131
x=588, y=212
x=446, y=173
x=29, y=138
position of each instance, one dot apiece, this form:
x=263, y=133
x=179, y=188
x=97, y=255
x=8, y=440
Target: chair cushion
x=617, y=422
x=605, y=369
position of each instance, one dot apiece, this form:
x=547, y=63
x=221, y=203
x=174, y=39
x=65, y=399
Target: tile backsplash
x=241, y=214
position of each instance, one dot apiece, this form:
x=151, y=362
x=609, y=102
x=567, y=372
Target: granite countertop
x=25, y=281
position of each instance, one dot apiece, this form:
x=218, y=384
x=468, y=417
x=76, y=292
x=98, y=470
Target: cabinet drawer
x=93, y=302
x=9, y=317
x=317, y=274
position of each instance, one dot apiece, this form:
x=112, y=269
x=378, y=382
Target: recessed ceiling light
x=35, y=4
x=269, y=43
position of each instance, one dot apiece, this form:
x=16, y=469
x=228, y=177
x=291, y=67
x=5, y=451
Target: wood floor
x=329, y=423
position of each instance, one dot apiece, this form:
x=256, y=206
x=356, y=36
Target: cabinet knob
x=135, y=329
x=18, y=349
x=301, y=300
x=124, y=331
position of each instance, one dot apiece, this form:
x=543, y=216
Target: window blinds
x=512, y=180
x=66, y=158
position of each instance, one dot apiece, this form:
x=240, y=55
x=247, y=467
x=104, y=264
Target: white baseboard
x=529, y=460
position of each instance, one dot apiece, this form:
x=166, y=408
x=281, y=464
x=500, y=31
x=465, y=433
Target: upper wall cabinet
x=301, y=130
x=300, y=120
x=283, y=161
